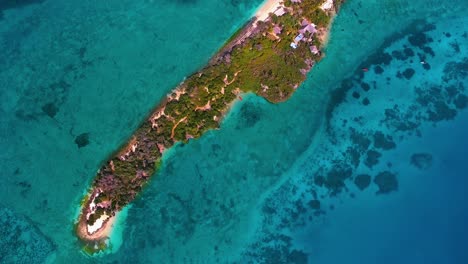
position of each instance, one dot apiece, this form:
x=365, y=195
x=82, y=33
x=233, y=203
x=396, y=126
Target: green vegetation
x=93, y=248
x=264, y=63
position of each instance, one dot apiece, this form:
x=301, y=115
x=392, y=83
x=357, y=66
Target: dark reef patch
x=426, y=66
x=383, y=141
x=456, y=70
x=276, y=248
x=356, y=95
x=12, y=4
x=21, y=241
x=378, y=69
x=451, y=91
x=319, y=180
x=441, y=103
x=461, y=101
x=366, y=101
x=25, y=188
x=268, y=210
x=335, y=180
x=360, y=140
x=399, y=55
x=429, y=50
x=455, y=46
x=399, y=121
x=441, y=111
x=421, y=161
x=362, y=181
x=365, y=86
x=82, y=140
x=192, y=2
x=354, y=156
x=250, y=114
x=314, y=204
x=386, y=181
x=418, y=39
x=337, y=97
x=297, y=257
x=408, y=73
x=43, y=99
x=382, y=58
x=50, y=109
x=216, y=149
x=408, y=52
x=372, y=158
x=23, y=115
x=427, y=95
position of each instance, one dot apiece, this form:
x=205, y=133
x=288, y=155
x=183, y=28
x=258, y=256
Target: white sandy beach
x=99, y=235
x=269, y=6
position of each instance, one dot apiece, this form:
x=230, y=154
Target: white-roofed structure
x=327, y=5
x=280, y=11
x=314, y=50
x=298, y=38
x=311, y=29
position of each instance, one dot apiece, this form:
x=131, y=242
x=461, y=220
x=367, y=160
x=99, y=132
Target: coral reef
x=21, y=241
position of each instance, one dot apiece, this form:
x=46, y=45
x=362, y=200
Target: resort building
x=277, y=30
x=314, y=50
x=310, y=28
x=298, y=38
x=280, y=11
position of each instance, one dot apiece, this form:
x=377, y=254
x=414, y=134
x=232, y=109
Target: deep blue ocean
x=366, y=163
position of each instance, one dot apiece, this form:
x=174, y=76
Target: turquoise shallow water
x=83, y=73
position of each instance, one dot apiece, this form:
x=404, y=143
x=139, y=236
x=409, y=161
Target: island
x=270, y=56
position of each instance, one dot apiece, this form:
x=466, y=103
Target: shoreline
x=101, y=234
x=205, y=101
x=269, y=6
